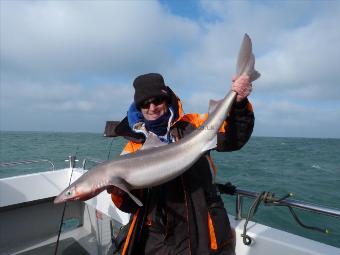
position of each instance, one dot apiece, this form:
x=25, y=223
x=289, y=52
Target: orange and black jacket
x=189, y=208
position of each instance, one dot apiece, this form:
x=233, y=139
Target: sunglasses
x=155, y=100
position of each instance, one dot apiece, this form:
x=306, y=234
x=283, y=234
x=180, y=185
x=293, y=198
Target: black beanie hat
x=148, y=86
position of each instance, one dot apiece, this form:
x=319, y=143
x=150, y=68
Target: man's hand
x=242, y=86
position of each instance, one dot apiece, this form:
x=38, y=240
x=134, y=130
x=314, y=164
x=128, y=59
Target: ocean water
x=309, y=168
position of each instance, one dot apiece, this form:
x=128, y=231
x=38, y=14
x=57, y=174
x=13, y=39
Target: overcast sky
x=69, y=65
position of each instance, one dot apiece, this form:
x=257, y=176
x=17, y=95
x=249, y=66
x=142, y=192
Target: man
x=185, y=215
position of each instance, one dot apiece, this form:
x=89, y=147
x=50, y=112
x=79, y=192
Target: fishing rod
x=72, y=160
x=109, y=151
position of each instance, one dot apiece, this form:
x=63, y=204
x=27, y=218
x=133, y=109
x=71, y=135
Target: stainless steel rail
x=97, y=161
x=72, y=161
x=284, y=202
x=26, y=162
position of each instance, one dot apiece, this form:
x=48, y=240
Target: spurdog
x=156, y=162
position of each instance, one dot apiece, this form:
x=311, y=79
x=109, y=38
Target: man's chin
x=153, y=117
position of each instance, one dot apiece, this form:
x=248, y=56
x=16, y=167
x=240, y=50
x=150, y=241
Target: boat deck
x=77, y=241
x=30, y=223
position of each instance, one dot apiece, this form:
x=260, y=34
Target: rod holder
x=72, y=161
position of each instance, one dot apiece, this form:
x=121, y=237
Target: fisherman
x=185, y=215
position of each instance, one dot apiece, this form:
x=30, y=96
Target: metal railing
x=269, y=199
x=97, y=161
x=26, y=162
x=72, y=160
x=283, y=202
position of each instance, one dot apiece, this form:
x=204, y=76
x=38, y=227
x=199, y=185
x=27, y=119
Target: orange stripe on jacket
x=131, y=147
x=128, y=237
x=213, y=242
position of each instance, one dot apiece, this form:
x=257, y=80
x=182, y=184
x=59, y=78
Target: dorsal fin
x=213, y=104
x=152, y=141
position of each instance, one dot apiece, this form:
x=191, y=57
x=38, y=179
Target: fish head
x=69, y=193
x=79, y=191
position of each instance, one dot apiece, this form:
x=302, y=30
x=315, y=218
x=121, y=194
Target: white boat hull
x=30, y=221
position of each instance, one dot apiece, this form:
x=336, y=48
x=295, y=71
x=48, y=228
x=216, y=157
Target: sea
x=309, y=168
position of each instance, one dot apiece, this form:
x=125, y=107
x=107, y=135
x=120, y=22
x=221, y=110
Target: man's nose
x=152, y=106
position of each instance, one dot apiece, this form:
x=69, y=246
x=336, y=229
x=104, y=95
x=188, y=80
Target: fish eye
x=68, y=193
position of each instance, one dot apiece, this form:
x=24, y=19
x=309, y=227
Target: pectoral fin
x=152, y=141
x=213, y=104
x=120, y=183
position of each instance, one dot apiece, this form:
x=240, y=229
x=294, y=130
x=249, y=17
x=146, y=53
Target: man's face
x=154, y=108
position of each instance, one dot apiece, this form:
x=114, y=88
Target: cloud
x=296, y=53
x=60, y=58
x=292, y=56
x=296, y=118
x=200, y=101
x=62, y=107
x=67, y=39
x=73, y=98
x=63, y=57
x=307, y=59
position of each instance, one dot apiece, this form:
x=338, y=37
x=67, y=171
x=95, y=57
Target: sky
x=69, y=65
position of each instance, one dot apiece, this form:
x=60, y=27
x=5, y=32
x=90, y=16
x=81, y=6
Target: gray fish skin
x=157, y=165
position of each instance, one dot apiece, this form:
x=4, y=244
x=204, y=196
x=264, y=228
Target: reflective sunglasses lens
x=155, y=101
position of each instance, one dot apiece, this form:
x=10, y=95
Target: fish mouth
x=58, y=200
x=78, y=196
x=62, y=199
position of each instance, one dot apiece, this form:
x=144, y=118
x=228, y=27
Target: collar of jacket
x=123, y=128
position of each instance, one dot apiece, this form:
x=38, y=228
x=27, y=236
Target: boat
x=30, y=223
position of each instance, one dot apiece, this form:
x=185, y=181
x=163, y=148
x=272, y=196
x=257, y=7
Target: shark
x=156, y=162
